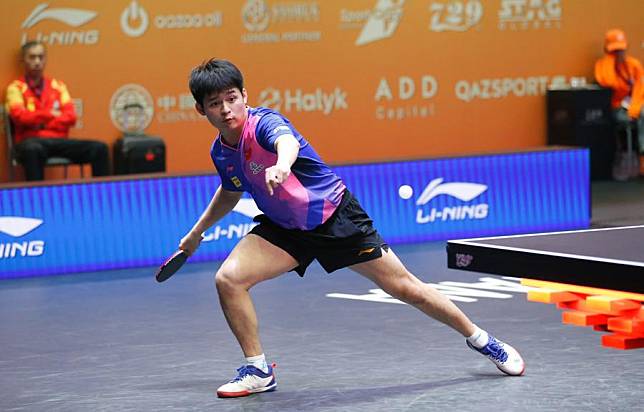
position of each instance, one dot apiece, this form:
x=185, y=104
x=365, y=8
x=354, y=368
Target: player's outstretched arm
x=222, y=202
x=287, y=148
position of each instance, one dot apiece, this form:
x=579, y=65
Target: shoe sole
x=513, y=374
x=497, y=366
x=246, y=393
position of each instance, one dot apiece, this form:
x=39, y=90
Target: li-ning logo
x=246, y=207
x=463, y=191
x=463, y=260
x=18, y=227
x=256, y=168
x=68, y=16
x=134, y=12
x=71, y=17
x=383, y=21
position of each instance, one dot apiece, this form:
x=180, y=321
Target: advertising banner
x=363, y=80
x=128, y=223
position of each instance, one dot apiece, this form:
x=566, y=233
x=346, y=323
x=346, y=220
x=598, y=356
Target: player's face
x=34, y=60
x=225, y=110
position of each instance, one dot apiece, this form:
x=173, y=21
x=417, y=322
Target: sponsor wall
x=365, y=80
x=119, y=224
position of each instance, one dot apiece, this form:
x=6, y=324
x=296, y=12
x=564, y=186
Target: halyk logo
x=382, y=22
x=297, y=100
x=131, y=108
x=455, y=15
x=245, y=207
x=132, y=14
x=463, y=191
x=17, y=227
x=68, y=16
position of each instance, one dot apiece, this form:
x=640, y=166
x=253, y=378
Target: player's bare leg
x=253, y=260
x=392, y=276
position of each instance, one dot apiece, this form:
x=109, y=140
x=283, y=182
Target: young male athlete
x=308, y=214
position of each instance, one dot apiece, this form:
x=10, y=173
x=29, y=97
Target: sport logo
x=134, y=12
x=68, y=16
x=246, y=207
x=462, y=191
x=18, y=227
x=383, y=21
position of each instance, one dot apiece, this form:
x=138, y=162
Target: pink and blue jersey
x=305, y=200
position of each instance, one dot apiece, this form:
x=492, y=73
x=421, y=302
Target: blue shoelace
x=494, y=350
x=243, y=371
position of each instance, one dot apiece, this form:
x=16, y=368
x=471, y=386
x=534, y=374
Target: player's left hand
x=275, y=176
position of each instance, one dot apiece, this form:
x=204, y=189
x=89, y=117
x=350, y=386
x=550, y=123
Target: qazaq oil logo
x=18, y=227
x=246, y=207
x=383, y=21
x=463, y=191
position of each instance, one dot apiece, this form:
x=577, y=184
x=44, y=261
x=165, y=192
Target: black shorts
x=346, y=238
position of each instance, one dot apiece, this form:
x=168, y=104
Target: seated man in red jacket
x=42, y=112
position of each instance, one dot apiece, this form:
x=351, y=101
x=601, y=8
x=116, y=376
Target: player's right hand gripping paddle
x=171, y=265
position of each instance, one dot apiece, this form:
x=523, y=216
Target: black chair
x=13, y=160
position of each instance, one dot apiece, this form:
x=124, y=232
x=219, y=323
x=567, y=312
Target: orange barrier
x=621, y=313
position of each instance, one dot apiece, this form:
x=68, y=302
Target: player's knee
x=408, y=291
x=226, y=278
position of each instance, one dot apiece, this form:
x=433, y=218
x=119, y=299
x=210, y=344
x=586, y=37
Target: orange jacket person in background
x=42, y=113
x=625, y=76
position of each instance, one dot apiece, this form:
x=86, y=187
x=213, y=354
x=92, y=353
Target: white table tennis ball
x=405, y=191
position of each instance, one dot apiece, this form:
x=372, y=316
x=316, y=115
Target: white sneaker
x=504, y=356
x=249, y=380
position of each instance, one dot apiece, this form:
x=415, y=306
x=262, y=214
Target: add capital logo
x=463, y=191
x=382, y=22
x=17, y=227
x=406, y=97
x=69, y=16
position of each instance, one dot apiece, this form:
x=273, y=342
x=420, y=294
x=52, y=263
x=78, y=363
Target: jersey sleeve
x=269, y=128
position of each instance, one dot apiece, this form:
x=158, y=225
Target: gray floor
x=119, y=341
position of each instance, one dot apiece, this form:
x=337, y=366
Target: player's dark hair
x=214, y=75
x=28, y=45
